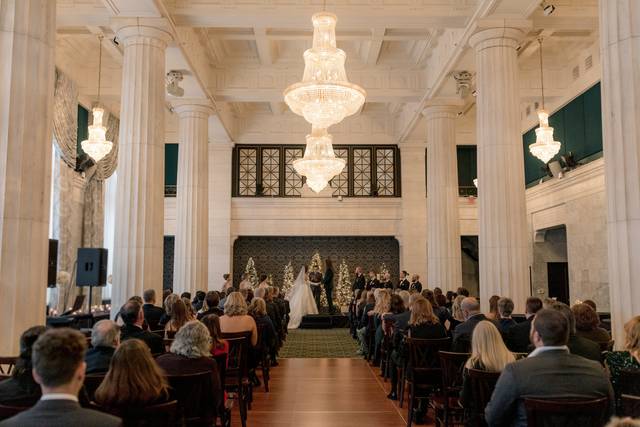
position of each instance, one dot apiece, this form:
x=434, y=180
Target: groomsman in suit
x=415, y=285
x=404, y=281
x=373, y=282
x=327, y=282
x=315, y=280
x=359, y=281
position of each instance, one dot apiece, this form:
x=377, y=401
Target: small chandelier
x=319, y=163
x=324, y=96
x=545, y=148
x=97, y=145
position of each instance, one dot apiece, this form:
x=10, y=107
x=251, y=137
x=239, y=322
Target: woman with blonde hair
x=134, y=379
x=236, y=319
x=457, y=316
x=168, y=309
x=488, y=353
x=617, y=361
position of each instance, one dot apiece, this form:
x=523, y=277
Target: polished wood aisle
x=324, y=393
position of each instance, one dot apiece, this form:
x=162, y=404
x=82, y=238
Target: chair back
x=606, y=345
x=388, y=326
x=630, y=406
x=221, y=361
x=578, y=413
x=160, y=415
x=482, y=385
x=238, y=357
x=424, y=367
x=7, y=411
x=7, y=364
x=452, y=365
x=630, y=381
x=194, y=393
x=91, y=384
x=262, y=345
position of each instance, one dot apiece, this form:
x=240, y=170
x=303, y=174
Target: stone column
x=191, y=247
x=413, y=241
x=444, y=266
x=620, y=46
x=138, y=242
x=26, y=115
x=220, y=243
x=503, y=239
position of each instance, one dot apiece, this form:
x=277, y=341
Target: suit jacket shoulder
x=61, y=413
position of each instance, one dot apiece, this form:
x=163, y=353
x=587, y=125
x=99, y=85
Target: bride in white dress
x=301, y=300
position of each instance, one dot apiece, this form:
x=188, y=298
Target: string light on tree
x=343, y=290
x=250, y=269
x=287, y=279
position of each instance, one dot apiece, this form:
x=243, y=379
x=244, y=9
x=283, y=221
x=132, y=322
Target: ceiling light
x=173, y=80
x=319, y=163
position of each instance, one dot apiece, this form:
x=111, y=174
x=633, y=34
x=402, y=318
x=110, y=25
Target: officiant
x=315, y=280
x=327, y=282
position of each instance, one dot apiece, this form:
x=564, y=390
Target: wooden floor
x=324, y=393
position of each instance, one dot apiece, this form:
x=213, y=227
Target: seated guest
x=505, y=308
x=105, y=338
x=550, y=371
x=168, y=306
x=134, y=379
x=58, y=366
x=273, y=311
x=517, y=337
x=592, y=304
x=415, y=285
x=488, y=353
x=587, y=324
x=191, y=313
x=578, y=345
x=21, y=389
x=450, y=297
x=224, y=298
x=152, y=314
x=133, y=317
x=363, y=324
x=493, y=308
x=401, y=320
x=463, y=291
x=179, y=317
x=382, y=308
x=236, y=319
x=617, y=361
x=210, y=305
x=198, y=301
x=191, y=353
x=462, y=333
x=457, y=316
x=218, y=345
x=186, y=295
x=258, y=310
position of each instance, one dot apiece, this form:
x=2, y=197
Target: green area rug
x=319, y=343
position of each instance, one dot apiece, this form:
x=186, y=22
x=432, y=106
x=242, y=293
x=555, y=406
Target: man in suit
x=578, y=345
x=549, y=372
x=315, y=281
x=463, y=332
x=58, y=366
x=517, y=337
x=415, y=285
x=359, y=281
x=404, y=281
x=152, y=313
x=212, y=298
x=133, y=317
x=327, y=282
x=105, y=338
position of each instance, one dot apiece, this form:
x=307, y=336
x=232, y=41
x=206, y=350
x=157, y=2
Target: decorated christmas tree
x=250, y=269
x=287, y=279
x=343, y=292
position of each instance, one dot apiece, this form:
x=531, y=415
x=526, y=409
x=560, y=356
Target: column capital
x=494, y=32
x=192, y=107
x=442, y=108
x=130, y=30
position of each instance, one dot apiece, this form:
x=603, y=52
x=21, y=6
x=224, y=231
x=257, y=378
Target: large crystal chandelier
x=545, y=148
x=319, y=163
x=97, y=145
x=324, y=96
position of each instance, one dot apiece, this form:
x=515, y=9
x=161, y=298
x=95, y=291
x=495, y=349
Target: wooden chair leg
x=401, y=384
x=265, y=377
x=410, y=411
x=243, y=410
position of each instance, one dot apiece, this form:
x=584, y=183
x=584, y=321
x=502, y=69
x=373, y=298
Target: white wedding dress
x=301, y=301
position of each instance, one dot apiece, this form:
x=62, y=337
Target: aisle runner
x=314, y=343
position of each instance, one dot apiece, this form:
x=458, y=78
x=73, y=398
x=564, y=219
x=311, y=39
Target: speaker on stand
x=91, y=269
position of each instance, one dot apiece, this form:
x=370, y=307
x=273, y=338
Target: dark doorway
x=558, y=279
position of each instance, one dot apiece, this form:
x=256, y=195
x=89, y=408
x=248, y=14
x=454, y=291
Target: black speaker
x=52, y=270
x=92, y=267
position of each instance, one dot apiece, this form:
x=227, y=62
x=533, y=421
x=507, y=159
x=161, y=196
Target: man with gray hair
x=105, y=338
x=463, y=332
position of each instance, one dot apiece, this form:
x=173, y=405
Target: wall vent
x=588, y=62
x=576, y=72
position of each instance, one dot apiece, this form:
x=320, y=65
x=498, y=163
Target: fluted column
x=27, y=41
x=620, y=46
x=138, y=242
x=191, y=249
x=503, y=239
x=220, y=242
x=444, y=265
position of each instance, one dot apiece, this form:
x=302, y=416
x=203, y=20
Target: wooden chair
x=167, y=344
x=263, y=357
x=424, y=374
x=91, y=384
x=630, y=406
x=160, y=415
x=158, y=332
x=194, y=395
x=237, y=376
x=606, y=345
x=446, y=407
x=568, y=413
x=482, y=385
x=370, y=338
x=387, y=347
x=225, y=411
x=630, y=382
x=7, y=411
x=7, y=364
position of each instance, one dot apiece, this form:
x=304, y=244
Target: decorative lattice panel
x=385, y=171
x=247, y=171
x=292, y=181
x=340, y=183
x=271, y=171
x=362, y=172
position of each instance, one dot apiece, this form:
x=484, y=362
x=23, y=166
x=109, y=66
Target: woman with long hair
x=457, y=316
x=218, y=345
x=178, y=318
x=134, y=379
x=493, y=314
x=168, y=303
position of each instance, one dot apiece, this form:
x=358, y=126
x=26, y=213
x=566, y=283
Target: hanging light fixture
x=324, y=96
x=319, y=163
x=545, y=148
x=97, y=145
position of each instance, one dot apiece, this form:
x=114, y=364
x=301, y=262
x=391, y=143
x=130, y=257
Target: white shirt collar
x=59, y=396
x=544, y=348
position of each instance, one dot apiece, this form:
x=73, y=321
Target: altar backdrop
x=271, y=254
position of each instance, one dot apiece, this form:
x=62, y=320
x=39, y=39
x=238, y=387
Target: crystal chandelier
x=545, y=148
x=97, y=145
x=319, y=163
x=324, y=96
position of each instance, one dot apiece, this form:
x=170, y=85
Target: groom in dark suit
x=327, y=281
x=315, y=281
